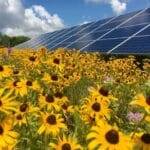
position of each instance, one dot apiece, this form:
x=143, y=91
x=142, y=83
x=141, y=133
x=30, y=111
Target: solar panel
x=139, y=45
x=129, y=33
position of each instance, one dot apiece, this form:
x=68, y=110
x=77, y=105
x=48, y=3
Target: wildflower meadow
x=73, y=100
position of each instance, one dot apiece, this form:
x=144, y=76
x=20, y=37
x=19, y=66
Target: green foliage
x=78, y=91
x=6, y=41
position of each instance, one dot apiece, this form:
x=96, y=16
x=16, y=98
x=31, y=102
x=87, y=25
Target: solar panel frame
x=118, y=32
x=83, y=48
x=110, y=51
x=137, y=47
x=44, y=40
x=82, y=28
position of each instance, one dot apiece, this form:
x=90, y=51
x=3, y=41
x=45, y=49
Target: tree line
x=7, y=41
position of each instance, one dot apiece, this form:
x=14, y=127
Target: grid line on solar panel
x=49, y=37
x=70, y=32
x=33, y=40
x=100, y=21
x=62, y=35
x=87, y=33
x=137, y=45
x=128, y=39
x=44, y=41
x=83, y=34
x=36, y=40
x=62, y=38
x=139, y=20
x=96, y=32
x=114, y=28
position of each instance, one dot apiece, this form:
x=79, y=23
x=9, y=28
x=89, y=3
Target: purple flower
x=135, y=117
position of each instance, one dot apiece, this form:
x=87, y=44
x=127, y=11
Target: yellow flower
x=50, y=78
x=66, y=143
x=19, y=119
x=142, y=140
x=13, y=85
x=101, y=91
x=7, y=102
x=25, y=108
x=51, y=124
x=143, y=101
x=25, y=84
x=61, y=98
x=49, y=101
x=5, y=71
x=95, y=108
x=8, y=137
x=103, y=136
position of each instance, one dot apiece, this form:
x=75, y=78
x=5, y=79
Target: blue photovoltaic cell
x=145, y=32
x=47, y=38
x=124, y=34
x=104, y=45
x=139, y=45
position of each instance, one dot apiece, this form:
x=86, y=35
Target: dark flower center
x=56, y=61
x=146, y=138
x=23, y=107
x=15, y=83
x=32, y=58
x=58, y=95
x=64, y=106
x=65, y=76
x=103, y=91
x=112, y=136
x=1, y=130
x=19, y=117
x=1, y=68
x=49, y=99
x=29, y=83
x=96, y=106
x=66, y=146
x=15, y=71
x=1, y=103
x=51, y=119
x=54, y=77
x=148, y=100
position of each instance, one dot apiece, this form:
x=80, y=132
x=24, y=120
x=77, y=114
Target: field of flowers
x=70, y=100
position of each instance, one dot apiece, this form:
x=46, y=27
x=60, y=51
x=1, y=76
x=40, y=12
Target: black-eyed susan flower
x=5, y=71
x=27, y=108
x=48, y=101
x=25, y=84
x=53, y=78
x=142, y=140
x=13, y=85
x=96, y=107
x=8, y=137
x=7, y=102
x=104, y=136
x=60, y=97
x=66, y=143
x=51, y=124
x=19, y=119
x=31, y=60
x=142, y=100
x=101, y=91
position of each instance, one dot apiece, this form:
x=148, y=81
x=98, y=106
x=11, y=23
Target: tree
x=6, y=41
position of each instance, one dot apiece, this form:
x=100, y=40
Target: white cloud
x=118, y=6
x=17, y=20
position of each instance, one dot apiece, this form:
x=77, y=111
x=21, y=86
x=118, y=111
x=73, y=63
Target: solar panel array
x=125, y=34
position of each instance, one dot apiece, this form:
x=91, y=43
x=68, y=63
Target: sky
x=35, y=17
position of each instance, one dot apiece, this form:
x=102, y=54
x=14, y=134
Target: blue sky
x=35, y=17
x=74, y=12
